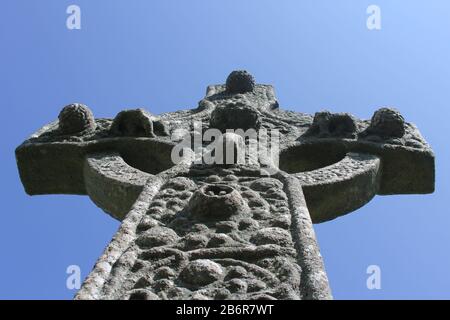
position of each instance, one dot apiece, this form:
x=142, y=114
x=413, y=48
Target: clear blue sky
x=162, y=54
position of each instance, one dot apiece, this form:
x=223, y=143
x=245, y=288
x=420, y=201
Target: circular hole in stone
x=218, y=190
x=308, y=157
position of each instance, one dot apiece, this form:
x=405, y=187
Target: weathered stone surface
x=75, y=118
x=156, y=236
x=133, y=123
x=235, y=116
x=201, y=272
x=222, y=231
x=216, y=202
x=240, y=81
x=386, y=122
x=326, y=124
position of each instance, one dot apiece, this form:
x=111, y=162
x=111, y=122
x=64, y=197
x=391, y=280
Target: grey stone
x=226, y=226
x=215, y=202
x=236, y=272
x=164, y=272
x=326, y=124
x=156, y=236
x=236, y=286
x=220, y=240
x=75, y=118
x=222, y=294
x=272, y=235
x=138, y=123
x=133, y=123
x=143, y=295
x=387, y=122
x=222, y=231
x=240, y=81
x=235, y=115
x=195, y=241
x=201, y=272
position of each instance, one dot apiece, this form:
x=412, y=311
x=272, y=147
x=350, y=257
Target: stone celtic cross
x=221, y=231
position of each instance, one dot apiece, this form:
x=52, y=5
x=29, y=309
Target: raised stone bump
x=201, y=272
x=240, y=81
x=156, y=236
x=235, y=116
x=133, y=123
x=76, y=118
x=387, y=122
x=216, y=202
x=327, y=124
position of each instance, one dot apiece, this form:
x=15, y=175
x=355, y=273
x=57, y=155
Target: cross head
x=191, y=230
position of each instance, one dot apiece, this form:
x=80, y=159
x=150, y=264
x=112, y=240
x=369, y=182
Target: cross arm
x=343, y=162
x=59, y=160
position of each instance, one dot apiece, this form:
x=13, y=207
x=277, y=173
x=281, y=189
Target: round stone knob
x=240, y=81
x=387, y=122
x=76, y=118
x=201, y=272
